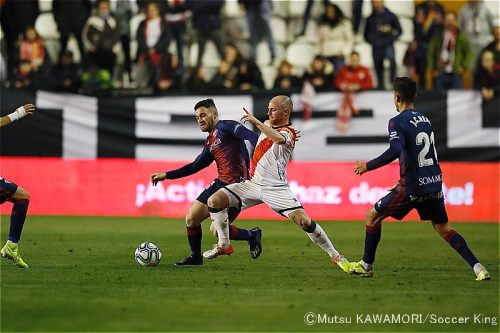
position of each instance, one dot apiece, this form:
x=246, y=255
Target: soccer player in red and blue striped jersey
x=226, y=146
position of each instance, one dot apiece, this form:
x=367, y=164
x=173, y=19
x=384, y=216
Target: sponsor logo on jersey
x=393, y=135
x=429, y=180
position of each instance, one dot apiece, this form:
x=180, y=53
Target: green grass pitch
x=83, y=277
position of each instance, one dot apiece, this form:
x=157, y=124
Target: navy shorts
x=217, y=184
x=398, y=204
x=7, y=189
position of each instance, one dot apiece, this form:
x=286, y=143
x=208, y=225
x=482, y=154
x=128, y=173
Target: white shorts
x=248, y=194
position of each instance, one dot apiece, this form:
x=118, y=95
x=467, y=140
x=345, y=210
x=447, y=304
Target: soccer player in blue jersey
x=226, y=146
x=17, y=195
x=411, y=139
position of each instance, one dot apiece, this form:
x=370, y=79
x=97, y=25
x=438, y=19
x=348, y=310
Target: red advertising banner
x=327, y=190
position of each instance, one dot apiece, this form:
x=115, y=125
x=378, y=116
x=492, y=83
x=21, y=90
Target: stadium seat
x=345, y=7
x=493, y=7
x=407, y=27
x=73, y=47
x=268, y=75
x=296, y=8
x=232, y=9
x=400, y=49
x=236, y=28
x=367, y=9
x=311, y=35
x=365, y=52
x=264, y=54
x=46, y=26
x=280, y=9
x=210, y=57
x=133, y=49
x=401, y=8
x=279, y=29
x=301, y=54
x=45, y=6
x=134, y=24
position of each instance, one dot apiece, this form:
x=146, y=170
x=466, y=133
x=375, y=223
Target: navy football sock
x=236, y=233
x=194, y=235
x=458, y=243
x=17, y=218
x=372, y=238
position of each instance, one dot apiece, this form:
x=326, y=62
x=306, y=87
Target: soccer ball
x=148, y=254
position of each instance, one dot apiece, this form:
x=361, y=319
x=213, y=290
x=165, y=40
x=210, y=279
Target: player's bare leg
x=20, y=199
x=318, y=236
x=218, y=204
x=197, y=213
x=457, y=242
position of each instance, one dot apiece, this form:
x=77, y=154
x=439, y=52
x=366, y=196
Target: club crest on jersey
x=214, y=145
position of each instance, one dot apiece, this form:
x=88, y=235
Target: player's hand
x=29, y=108
x=158, y=177
x=249, y=117
x=360, y=168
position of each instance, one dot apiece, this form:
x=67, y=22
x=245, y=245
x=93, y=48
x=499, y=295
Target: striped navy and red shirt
x=226, y=146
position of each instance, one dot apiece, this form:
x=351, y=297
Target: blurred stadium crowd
x=137, y=47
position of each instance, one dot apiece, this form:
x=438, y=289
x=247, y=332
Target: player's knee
x=371, y=217
x=301, y=219
x=442, y=229
x=21, y=195
x=191, y=221
x=217, y=200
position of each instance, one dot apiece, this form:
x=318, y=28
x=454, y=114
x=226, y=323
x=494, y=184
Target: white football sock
x=367, y=267
x=320, y=237
x=221, y=224
x=478, y=267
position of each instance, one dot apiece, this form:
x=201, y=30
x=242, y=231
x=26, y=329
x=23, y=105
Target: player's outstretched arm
x=360, y=168
x=202, y=161
x=20, y=112
x=268, y=131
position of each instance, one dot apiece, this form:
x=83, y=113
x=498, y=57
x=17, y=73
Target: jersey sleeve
x=239, y=131
x=289, y=135
x=396, y=143
x=202, y=161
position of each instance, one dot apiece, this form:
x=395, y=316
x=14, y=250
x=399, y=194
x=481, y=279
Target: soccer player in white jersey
x=17, y=195
x=268, y=183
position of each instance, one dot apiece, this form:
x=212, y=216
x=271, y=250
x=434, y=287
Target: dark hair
x=406, y=88
x=102, y=1
x=339, y=16
x=206, y=103
x=355, y=53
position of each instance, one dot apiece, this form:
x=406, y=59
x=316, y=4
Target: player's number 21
x=424, y=139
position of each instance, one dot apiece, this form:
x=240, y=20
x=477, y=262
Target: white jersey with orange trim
x=270, y=159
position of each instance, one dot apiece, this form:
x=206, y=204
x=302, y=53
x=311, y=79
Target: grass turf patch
x=83, y=277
